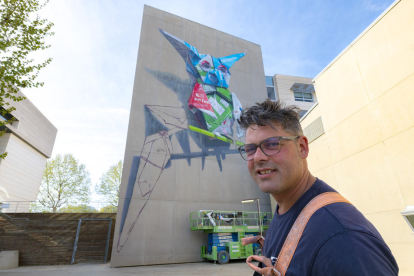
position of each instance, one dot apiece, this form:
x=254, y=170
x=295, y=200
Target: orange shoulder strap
x=292, y=240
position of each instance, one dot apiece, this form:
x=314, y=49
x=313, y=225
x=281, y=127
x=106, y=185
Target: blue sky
x=88, y=86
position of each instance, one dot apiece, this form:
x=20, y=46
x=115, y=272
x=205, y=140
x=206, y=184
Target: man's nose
x=259, y=155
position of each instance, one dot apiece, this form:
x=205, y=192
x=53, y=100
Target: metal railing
x=70, y=207
x=209, y=218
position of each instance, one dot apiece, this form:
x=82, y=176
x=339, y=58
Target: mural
x=207, y=116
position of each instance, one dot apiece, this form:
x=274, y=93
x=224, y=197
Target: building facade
x=292, y=90
x=170, y=168
x=361, y=128
x=29, y=142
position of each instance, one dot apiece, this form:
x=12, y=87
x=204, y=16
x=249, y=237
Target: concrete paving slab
x=237, y=267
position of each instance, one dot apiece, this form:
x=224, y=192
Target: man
x=337, y=240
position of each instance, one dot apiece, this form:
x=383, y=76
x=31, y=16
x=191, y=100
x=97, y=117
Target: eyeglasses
x=269, y=146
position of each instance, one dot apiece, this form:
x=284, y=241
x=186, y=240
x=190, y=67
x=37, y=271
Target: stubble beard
x=270, y=184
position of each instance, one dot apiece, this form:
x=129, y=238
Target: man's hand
x=255, y=239
x=269, y=270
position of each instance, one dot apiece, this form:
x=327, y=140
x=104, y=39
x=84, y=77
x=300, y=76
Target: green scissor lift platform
x=225, y=230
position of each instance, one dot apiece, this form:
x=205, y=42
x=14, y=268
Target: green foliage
x=64, y=180
x=110, y=182
x=108, y=209
x=37, y=208
x=22, y=32
x=81, y=208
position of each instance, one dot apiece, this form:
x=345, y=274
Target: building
x=292, y=90
x=29, y=142
x=169, y=169
x=361, y=129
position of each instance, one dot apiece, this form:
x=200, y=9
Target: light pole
x=258, y=210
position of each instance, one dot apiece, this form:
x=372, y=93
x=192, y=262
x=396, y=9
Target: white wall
x=21, y=171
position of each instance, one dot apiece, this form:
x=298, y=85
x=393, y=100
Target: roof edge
x=309, y=111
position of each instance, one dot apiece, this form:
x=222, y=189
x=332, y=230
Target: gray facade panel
x=180, y=171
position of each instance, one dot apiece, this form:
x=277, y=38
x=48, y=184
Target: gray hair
x=269, y=113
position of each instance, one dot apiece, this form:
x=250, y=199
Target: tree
x=37, y=208
x=21, y=33
x=110, y=182
x=81, y=208
x=65, y=180
x=108, y=209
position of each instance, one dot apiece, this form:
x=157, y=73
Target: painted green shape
x=223, y=109
x=210, y=134
x=224, y=93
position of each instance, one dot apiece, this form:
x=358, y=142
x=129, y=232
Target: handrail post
x=107, y=240
x=76, y=242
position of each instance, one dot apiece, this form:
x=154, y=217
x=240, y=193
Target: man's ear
x=303, y=147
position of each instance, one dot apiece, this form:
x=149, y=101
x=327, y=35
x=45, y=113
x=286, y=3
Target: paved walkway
x=237, y=267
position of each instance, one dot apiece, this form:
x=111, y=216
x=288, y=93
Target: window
x=408, y=214
x=269, y=81
x=271, y=94
x=301, y=113
x=6, y=116
x=303, y=92
x=303, y=96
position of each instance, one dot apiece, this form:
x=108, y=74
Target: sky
x=88, y=86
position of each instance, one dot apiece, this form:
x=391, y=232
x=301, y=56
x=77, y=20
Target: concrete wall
x=29, y=142
x=196, y=173
x=366, y=104
x=283, y=85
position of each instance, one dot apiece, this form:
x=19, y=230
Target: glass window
x=408, y=214
x=271, y=93
x=303, y=97
x=307, y=95
x=298, y=95
x=302, y=112
x=411, y=220
x=269, y=81
x=6, y=116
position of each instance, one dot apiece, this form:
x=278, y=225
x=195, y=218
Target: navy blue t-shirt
x=338, y=240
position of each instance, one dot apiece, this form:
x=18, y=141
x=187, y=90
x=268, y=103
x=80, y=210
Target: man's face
x=286, y=168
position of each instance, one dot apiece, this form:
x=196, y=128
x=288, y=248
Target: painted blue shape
x=152, y=124
x=218, y=76
x=228, y=61
x=130, y=188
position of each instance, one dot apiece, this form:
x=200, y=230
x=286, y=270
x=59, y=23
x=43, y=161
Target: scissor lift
x=225, y=230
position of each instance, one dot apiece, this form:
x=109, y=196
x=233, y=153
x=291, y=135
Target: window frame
x=409, y=211
x=274, y=89
x=311, y=100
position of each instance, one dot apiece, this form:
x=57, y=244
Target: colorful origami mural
x=210, y=78
x=211, y=106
